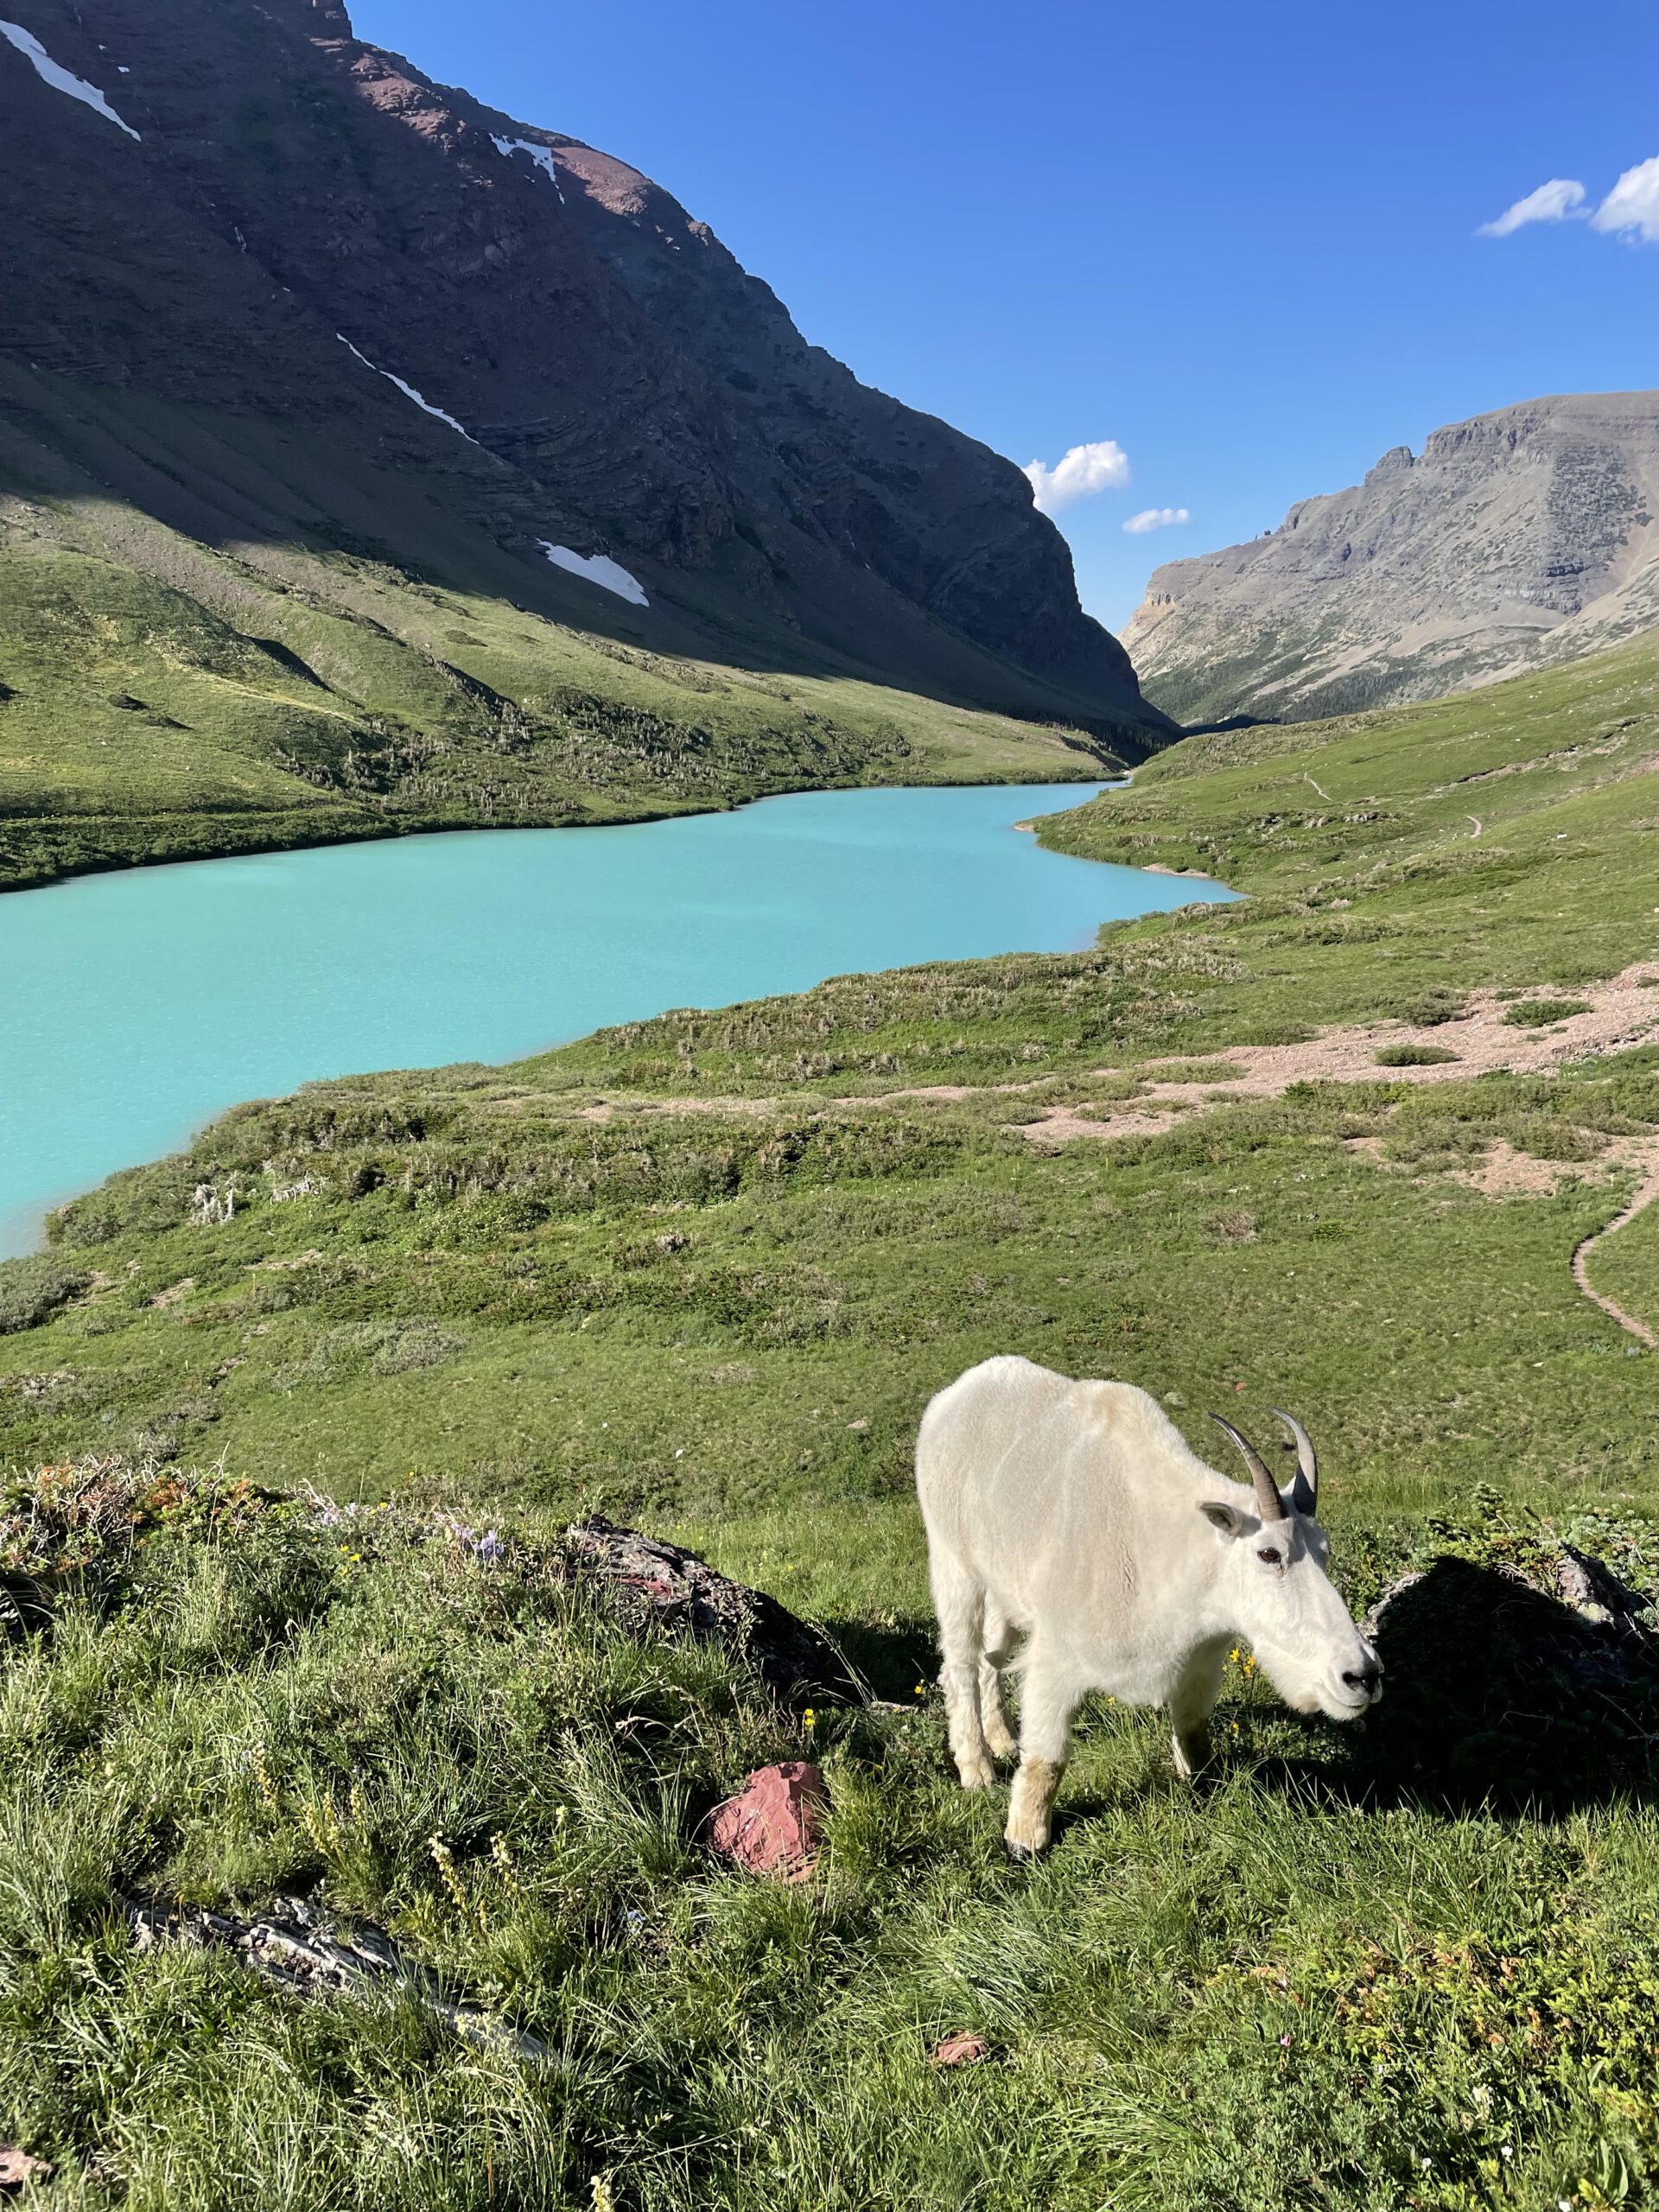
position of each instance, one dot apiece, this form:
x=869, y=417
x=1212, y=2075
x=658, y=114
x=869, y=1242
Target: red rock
x=775, y=1823
x=966, y=2049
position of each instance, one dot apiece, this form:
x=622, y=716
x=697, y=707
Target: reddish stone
x=964, y=2049
x=776, y=1822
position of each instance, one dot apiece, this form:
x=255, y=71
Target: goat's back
x=1039, y=1485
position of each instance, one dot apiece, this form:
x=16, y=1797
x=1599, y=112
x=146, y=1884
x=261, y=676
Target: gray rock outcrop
x=1517, y=539
x=651, y=1582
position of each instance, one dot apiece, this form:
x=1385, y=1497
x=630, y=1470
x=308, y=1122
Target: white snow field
x=542, y=156
x=408, y=389
x=62, y=79
x=597, y=568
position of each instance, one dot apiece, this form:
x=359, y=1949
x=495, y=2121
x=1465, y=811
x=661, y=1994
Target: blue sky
x=1239, y=242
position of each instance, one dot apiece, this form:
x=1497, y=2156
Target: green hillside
x=1330, y=1977
x=219, y=637
x=1500, y=837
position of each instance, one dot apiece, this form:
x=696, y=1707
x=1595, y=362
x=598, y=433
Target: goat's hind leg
x=1048, y=1701
x=959, y=1601
x=999, y=1637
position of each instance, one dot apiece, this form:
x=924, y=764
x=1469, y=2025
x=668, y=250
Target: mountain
x=1517, y=539
x=408, y=423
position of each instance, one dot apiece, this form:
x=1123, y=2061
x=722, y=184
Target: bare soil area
x=1622, y=1012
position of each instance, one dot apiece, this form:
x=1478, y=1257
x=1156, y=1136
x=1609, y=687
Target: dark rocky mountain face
x=1514, y=540
x=300, y=210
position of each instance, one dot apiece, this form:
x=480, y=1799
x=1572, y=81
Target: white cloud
x=1552, y=203
x=1633, y=205
x=1156, y=518
x=1631, y=209
x=1085, y=470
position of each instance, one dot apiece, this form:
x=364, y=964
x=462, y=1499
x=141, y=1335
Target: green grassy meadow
x=701, y=1273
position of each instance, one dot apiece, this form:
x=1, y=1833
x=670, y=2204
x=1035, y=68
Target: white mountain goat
x=1074, y=1513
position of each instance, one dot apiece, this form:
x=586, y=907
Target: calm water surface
x=136, y=1006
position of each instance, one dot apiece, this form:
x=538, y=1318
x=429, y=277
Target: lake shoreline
x=141, y=1010
x=312, y=833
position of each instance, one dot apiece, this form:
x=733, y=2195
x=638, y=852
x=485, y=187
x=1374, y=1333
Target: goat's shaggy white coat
x=1074, y=1513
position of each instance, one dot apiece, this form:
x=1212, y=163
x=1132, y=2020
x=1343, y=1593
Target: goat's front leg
x=1191, y=1704
x=1048, y=1701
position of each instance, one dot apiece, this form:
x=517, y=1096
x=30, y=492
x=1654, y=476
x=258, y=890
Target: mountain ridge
x=304, y=209
x=1515, y=539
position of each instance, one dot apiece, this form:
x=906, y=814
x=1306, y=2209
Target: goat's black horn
x=1305, y=1494
x=1268, y=1503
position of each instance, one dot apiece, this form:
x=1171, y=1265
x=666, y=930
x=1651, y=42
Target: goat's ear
x=1227, y=1518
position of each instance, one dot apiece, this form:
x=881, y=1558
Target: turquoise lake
x=136, y=1006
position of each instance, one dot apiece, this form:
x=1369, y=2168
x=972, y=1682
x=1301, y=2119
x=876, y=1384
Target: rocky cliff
x=227, y=212
x=1518, y=538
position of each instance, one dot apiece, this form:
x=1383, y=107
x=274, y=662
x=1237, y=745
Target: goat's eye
x=1270, y=1555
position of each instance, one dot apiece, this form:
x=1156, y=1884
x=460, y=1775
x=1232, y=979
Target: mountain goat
x=1074, y=1513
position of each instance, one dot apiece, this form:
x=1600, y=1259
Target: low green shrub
x=34, y=1287
x=1538, y=1014
x=1414, y=1056
x=1433, y=1008
x=1547, y=1137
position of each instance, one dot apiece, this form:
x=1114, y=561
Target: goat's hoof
x=980, y=1775
x=1022, y=1854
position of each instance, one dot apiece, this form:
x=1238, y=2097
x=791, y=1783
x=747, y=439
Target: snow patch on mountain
x=542, y=156
x=598, y=568
x=61, y=80
x=408, y=389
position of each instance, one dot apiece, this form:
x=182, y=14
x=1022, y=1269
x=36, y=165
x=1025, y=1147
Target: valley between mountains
x=374, y=461
x=544, y=1229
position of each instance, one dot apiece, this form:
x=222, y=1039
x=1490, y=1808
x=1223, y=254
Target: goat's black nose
x=1366, y=1677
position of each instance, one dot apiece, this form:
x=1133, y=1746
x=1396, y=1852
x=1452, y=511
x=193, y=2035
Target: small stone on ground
x=19, y=2168
x=775, y=1823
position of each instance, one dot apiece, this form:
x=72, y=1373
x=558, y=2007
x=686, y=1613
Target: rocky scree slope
x=1516, y=539
x=564, y=354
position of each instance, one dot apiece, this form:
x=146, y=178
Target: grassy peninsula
x=701, y=1273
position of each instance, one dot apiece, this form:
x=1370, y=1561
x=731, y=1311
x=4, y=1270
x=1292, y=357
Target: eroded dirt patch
x=1620, y=1014
x=1643, y=1197
x=1503, y=1172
